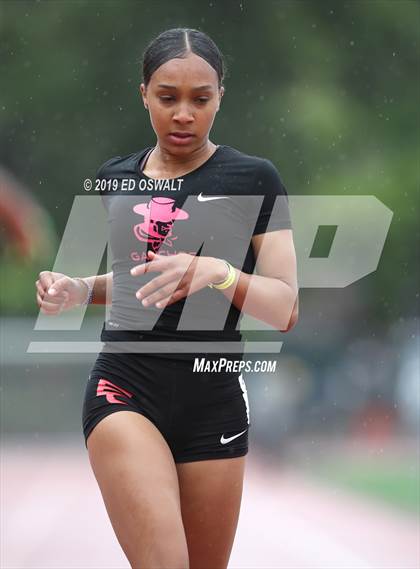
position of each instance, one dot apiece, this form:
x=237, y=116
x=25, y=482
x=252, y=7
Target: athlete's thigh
x=211, y=492
x=137, y=477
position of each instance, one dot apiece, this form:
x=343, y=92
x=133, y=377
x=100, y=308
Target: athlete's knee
x=165, y=554
x=170, y=560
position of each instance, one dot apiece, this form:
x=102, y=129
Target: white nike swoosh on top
x=201, y=198
x=224, y=441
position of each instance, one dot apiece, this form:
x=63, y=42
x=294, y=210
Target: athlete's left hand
x=182, y=275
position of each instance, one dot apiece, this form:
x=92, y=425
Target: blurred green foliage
x=328, y=91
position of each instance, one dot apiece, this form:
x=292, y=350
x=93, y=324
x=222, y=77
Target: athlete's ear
x=143, y=94
x=221, y=91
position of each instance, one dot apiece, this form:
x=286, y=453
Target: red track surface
x=53, y=517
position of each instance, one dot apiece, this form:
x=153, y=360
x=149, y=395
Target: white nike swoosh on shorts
x=224, y=441
x=202, y=198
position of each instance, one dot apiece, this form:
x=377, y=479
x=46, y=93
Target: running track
x=52, y=517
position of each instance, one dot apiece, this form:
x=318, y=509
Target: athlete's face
x=182, y=96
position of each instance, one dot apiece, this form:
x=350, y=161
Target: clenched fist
x=57, y=292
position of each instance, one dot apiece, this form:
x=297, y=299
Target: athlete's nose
x=183, y=115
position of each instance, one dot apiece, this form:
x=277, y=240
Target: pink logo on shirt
x=159, y=216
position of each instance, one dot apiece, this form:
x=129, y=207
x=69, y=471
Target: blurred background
x=329, y=92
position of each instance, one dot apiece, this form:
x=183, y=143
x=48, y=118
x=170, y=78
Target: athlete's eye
x=202, y=99
x=166, y=98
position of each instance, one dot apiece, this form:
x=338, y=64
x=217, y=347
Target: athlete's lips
x=181, y=134
x=181, y=138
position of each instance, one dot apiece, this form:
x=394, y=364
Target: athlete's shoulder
x=118, y=164
x=261, y=172
x=257, y=163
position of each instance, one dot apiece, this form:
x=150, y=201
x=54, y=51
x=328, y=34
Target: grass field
x=396, y=484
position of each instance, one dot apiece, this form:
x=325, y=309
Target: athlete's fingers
x=39, y=299
x=163, y=292
x=148, y=267
x=47, y=307
x=46, y=279
x=40, y=289
x=175, y=297
x=66, y=297
x=59, y=286
x=156, y=284
x=180, y=261
x=59, y=298
x=164, y=285
x=53, y=300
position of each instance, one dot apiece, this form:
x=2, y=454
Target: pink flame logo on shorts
x=105, y=387
x=159, y=216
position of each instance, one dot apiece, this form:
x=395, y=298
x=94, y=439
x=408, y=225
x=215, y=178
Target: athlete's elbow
x=292, y=323
x=294, y=317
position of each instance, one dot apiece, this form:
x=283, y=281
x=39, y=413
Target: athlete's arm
x=56, y=292
x=102, y=288
x=272, y=294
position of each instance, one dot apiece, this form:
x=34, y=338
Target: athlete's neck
x=163, y=161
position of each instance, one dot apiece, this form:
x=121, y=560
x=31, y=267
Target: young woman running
x=200, y=218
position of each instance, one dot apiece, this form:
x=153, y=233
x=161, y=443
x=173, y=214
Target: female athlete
x=167, y=440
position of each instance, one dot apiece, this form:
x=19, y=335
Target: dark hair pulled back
x=179, y=42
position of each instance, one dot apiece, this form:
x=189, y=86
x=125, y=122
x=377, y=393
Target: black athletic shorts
x=201, y=415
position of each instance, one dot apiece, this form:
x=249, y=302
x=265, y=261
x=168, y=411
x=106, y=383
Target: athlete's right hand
x=57, y=292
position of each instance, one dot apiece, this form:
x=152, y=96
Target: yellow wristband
x=229, y=279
